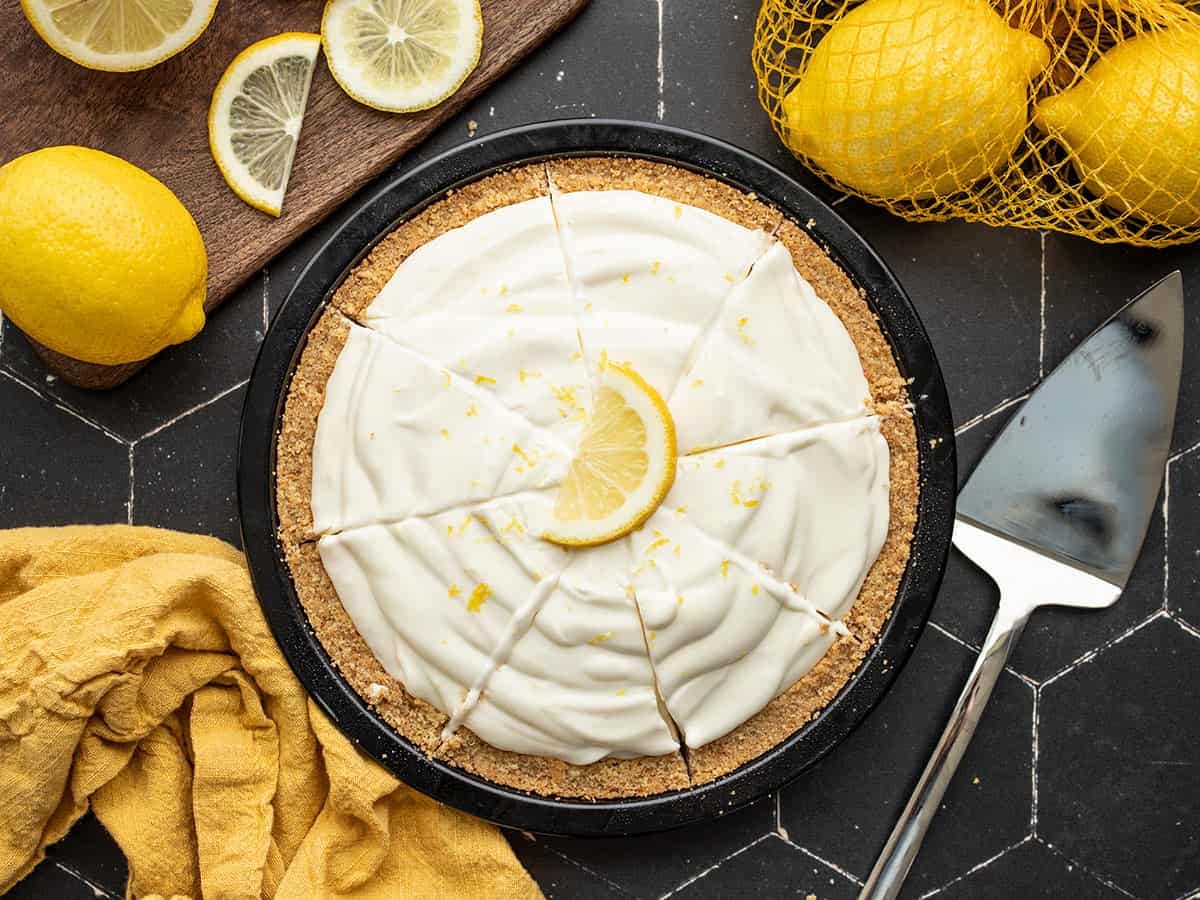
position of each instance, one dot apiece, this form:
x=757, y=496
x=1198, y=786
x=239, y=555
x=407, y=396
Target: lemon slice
x=401, y=55
x=256, y=113
x=119, y=35
x=624, y=466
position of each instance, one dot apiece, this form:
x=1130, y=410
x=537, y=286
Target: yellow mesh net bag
x=1080, y=116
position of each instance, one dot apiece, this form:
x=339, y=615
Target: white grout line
x=983, y=865
x=995, y=410
x=717, y=865
x=1183, y=623
x=1166, y=506
x=1092, y=654
x=942, y=629
x=582, y=868
x=1042, y=313
x=1184, y=452
x=129, y=501
x=1082, y=868
x=58, y=404
x=98, y=890
x=266, y=300
x=661, y=70
x=849, y=876
x=1034, y=756
x=187, y=412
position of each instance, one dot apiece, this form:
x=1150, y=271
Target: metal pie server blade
x=1056, y=512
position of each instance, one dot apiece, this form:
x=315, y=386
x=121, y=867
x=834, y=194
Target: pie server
x=1056, y=512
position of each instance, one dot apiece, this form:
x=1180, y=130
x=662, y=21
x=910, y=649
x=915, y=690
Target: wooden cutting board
x=157, y=119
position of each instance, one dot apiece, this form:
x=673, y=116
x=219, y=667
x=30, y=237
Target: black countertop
x=1083, y=780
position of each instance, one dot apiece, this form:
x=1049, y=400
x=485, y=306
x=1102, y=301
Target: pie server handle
x=898, y=854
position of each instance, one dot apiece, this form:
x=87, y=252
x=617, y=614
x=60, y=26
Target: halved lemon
x=624, y=466
x=401, y=55
x=256, y=113
x=119, y=35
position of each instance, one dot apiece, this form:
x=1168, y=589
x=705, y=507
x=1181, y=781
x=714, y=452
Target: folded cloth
x=138, y=676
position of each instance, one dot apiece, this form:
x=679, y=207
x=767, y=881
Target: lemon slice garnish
x=624, y=466
x=256, y=113
x=401, y=55
x=119, y=35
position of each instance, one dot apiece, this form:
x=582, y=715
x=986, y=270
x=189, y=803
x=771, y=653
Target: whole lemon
x=98, y=259
x=914, y=98
x=1131, y=126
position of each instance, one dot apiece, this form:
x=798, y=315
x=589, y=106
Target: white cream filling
x=649, y=274
x=776, y=359
x=810, y=505
x=433, y=596
x=724, y=638
x=490, y=302
x=444, y=435
x=398, y=437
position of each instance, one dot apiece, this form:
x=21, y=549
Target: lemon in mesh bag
x=914, y=98
x=1131, y=126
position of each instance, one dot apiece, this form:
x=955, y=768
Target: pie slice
x=578, y=685
x=725, y=637
x=776, y=359
x=398, y=437
x=647, y=274
x=489, y=301
x=434, y=597
x=811, y=506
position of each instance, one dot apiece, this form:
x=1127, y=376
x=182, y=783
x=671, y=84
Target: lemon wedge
x=119, y=35
x=256, y=113
x=401, y=55
x=624, y=466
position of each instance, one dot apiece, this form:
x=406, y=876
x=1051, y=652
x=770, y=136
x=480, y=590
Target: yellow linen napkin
x=138, y=675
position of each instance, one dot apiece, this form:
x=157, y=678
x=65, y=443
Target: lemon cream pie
x=597, y=478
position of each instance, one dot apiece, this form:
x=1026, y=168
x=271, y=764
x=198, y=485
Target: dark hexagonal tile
x=651, y=866
x=1117, y=777
x=709, y=83
x=57, y=468
x=1086, y=283
x=177, y=379
x=561, y=878
x=89, y=850
x=977, y=290
x=603, y=64
x=1031, y=872
x=181, y=480
x=843, y=810
x=1183, y=547
x=51, y=881
x=770, y=867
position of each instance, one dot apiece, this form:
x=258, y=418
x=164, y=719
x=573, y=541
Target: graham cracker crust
x=421, y=723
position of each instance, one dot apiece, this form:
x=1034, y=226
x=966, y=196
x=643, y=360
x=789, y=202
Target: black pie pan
x=405, y=196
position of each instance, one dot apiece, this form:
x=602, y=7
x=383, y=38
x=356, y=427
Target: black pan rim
x=262, y=409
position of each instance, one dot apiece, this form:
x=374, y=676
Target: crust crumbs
x=782, y=717
x=414, y=719
x=420, y=722
x=456, y=209
x=306, y=396
x=606, y=779
x=599, y=173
